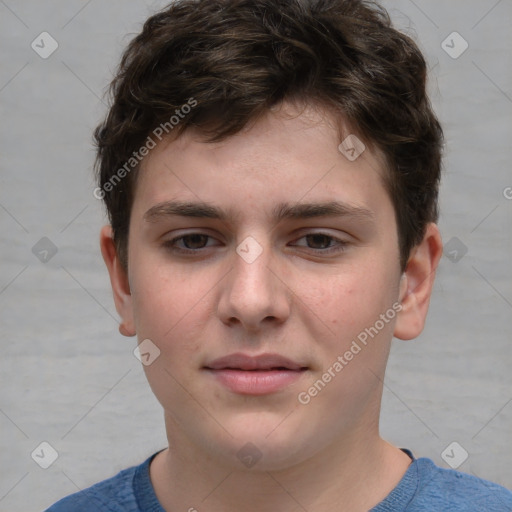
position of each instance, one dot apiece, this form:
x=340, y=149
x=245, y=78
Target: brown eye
x=319, y=241
x=195, y=241
x=191, y=243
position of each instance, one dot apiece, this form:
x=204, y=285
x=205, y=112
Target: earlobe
x=417, y=283
x=119, y=282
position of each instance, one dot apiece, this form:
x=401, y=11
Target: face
x=257, y=267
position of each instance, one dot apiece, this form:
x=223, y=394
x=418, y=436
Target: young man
x=271, y=169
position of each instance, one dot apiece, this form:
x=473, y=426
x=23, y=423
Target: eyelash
x=340, y=246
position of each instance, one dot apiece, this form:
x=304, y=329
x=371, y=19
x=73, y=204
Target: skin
x=296, y=299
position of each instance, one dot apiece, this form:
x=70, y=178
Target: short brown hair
x=232, y=60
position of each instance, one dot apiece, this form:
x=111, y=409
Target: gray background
x=68, y=377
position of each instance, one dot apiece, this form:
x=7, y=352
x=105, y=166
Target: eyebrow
x=280, y=212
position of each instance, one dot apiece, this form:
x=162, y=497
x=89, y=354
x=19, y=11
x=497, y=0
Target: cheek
x=168, y=311
x=347, y=308
x=349, y=295
x=168, y=303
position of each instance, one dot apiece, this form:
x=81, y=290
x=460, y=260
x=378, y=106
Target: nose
x=253, y=294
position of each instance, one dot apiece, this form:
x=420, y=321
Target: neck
x=354, y=475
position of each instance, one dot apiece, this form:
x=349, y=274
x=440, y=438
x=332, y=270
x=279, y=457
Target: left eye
x=322, y=242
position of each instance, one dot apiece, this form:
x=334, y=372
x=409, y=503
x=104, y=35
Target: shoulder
x=443, y=489
x=114, y=494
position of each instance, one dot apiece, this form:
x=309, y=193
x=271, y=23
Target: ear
x=119, y=282
x=417, y=283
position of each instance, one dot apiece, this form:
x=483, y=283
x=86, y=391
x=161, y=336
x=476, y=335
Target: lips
x=255, y=375
x=261, y=362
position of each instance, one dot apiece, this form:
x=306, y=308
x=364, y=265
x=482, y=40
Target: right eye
x=189, y=243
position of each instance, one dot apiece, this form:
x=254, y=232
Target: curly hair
x=227, y=62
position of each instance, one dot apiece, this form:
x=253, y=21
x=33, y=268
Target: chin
x=264, y=442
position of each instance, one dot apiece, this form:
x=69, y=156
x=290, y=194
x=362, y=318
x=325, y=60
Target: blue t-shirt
x=425, y=487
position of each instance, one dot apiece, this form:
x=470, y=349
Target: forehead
x=291, y=155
